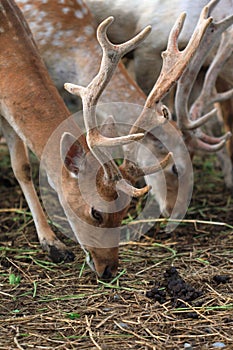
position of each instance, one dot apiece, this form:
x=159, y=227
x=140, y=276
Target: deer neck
x=28, y=100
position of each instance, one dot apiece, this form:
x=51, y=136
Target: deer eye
x=96, y=215
x=174, y=170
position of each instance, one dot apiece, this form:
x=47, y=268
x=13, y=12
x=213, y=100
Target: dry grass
x=49, y=306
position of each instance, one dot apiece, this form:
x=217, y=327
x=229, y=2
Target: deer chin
x=104, y=261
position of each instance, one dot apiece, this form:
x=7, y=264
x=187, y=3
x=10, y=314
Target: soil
x=174, y=290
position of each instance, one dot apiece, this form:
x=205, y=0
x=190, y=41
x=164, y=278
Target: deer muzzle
x=104, y=261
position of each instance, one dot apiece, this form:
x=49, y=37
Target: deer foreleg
x=22, y=171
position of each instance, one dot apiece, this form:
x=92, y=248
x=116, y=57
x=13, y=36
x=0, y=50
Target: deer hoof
x=57, y=251
x=60, y=255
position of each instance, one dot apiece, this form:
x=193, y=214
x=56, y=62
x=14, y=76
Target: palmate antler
x=90, y=96
x=190, y=120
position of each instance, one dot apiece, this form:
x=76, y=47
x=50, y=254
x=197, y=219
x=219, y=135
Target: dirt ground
x=62, y=306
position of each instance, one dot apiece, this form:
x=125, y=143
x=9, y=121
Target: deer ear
x=72, y=153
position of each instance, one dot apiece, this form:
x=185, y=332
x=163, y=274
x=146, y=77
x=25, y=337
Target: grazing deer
x=65, y=37
x=32, y=110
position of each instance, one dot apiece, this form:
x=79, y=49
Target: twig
x=105, y=320
x=15, y=210
x=215, y=223
x=134, y=334
x=91, y=334
x=198, y=311
x=16, y=340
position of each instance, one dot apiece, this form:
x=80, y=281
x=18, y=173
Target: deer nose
x=107, y=274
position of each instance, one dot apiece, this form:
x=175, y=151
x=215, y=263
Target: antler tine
x=209, y=94
x=137, y=172
x=124, y=186
x=209, y=147
x=120, y=49
x=212, y=140
x=186, y=82
x=175, y=61
x=155, y=168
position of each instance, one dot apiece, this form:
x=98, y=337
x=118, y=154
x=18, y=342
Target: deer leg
x=22, y=171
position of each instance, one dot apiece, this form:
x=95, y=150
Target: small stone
x=107, y=309
x=208, y=330
x=219, y=344
x=121, y=324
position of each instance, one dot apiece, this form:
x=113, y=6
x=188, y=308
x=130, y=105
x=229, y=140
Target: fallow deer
x=31, y=110
x=67, y=27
